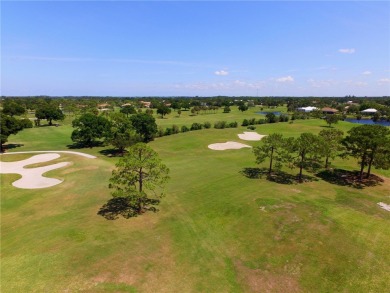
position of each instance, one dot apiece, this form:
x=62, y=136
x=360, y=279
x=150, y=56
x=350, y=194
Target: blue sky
x=195, y=48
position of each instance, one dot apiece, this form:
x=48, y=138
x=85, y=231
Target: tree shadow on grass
x=279, y=177
x=254, y=173
x=117, y=206
x=79, y=145
x=112, y=153
x=11, y=146
x=349, y=178
x=122, y=206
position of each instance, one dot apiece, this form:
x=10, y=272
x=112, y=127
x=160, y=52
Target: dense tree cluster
x=370, y=144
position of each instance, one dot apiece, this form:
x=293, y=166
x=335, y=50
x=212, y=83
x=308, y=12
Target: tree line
x=369, y=144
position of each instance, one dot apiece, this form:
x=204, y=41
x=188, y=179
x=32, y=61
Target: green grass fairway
x=217, y=230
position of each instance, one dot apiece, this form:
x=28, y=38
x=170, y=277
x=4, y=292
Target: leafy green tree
x=370, y=144
x=12, y=108
x=163, y=110
x=306, y=149
x=128, y=109
x=332, y=119
x=330, y=145
x=242, y=107
x=90, y=128
x=272, y=147
x=49, y=112
x=140, y=171
x=179, y=112
x=9, y=125
x=122, y=133
x=226, y=109
x=145, y=125
x=271, y=117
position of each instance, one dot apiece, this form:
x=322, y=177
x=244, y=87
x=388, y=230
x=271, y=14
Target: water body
x=265, y=113
x=368, y=121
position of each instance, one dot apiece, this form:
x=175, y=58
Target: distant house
x=369, y=111
x=103, y=106
x=328, y=110
x=127, y=104
x=145, y=104
x=306, y=109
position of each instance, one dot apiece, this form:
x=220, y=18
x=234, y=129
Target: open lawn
x=221, y=227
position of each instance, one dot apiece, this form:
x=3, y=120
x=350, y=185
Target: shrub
x=226, y=109
x=252, y=121
x=196, y=126
x=184, y=128
x=207, y=125
x=220, y=124
x=233, y=124
x=245, y=122
x=26, y=123
x=168, y=131
x=251, y=127
x=160, y=132
x=261, y=121
x=283, y=118
x=175, y=129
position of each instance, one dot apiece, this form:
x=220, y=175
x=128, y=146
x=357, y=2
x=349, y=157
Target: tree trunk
x=369, y=165
x=1, y=148
x=50, y=123
x=270, y=164
x=326, y=162
x=301, y=167
x=362, y=167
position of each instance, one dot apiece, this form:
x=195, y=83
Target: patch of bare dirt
x=257, y=280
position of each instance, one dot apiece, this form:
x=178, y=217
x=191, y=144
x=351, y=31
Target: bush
x=168, y=131
x=226, y=109
x=196, y=126
x=220, y=124
x=252, y=121
x=251, y=127
x=233, y=124
x=261, y=121
x=283, y=118
x=175, y=129
x=26, y=123
x=207, y=125
x=245, y=122
x=184, y=128
x=160, y=132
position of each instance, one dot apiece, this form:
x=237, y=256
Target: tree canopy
x=273, y=148
x=49, y=112
x=89, y=128
x=9, y=125
x=122, y=133
x=138, y=181
x=145, y=125
x=370, y=144
x=12, y=108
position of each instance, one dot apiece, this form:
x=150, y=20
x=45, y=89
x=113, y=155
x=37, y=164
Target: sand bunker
x=384, y=206
x=32, y=178
x=64, y=152
x=254, y=136
x=229, y=145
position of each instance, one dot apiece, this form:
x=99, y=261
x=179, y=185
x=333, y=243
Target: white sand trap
x=254, y=136
x=384, y=206
x=229, y=145
x=32, y=178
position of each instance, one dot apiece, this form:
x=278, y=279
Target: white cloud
x=285, y=79
x=347, y=51
x=384, y=81
x=221, y=72
x=367, y=72
x=321, y=83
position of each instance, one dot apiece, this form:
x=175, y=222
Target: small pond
x=368, y=121
x=265, y=113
